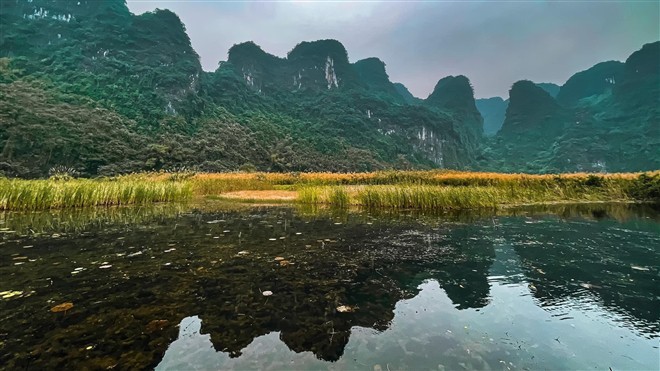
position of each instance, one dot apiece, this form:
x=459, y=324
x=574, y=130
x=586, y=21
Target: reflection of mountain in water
x=216, y=264
x=615, y=264
x=369, y=269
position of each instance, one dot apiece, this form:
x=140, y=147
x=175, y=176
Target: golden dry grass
x=394, y=188
x=270, y=195
x=207, y=181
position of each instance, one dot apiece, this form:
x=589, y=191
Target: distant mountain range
x=91, y=86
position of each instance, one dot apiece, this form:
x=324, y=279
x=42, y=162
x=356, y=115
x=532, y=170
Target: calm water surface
x=187, y=287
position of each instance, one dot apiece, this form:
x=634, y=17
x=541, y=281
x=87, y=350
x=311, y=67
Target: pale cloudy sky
x=494, y=43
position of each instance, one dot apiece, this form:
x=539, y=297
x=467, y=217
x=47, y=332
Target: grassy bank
x=206, y=183
x=16, y=194
x=479, y=190
x=436, y=189
x=446, y=197
x=390, y=189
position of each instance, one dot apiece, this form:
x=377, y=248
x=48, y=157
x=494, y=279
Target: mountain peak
x=321, y=63
x=592, y=81
x=319, y=49
x=525, y=92
x=371, y=72
x=640, y=82
x=645, y=60
x=453, y=92
x=249, y=52
x=550, y=88
x=529, y=111
x=372, y=65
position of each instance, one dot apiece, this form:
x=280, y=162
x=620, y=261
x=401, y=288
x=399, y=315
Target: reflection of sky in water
x=524, y=291
x=427, y=332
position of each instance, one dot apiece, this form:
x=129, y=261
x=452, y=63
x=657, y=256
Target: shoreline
x=387, y=189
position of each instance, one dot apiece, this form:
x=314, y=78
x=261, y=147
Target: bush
x=247, y=168
x=646, y=187
x=62, y=173
x=179, y=174
x=594, y=181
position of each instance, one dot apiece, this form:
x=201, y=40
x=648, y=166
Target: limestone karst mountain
x=142, y=102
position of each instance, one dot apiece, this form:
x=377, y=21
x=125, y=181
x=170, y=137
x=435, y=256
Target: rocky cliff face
x=310, y=110
x=322, y=64
x=260, y=71
x=320, y=72
x=310, y=66
x=144, y=66
x=454, y=95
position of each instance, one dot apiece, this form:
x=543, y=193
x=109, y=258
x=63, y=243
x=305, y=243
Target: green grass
x=403, y=190
x=429, y=197
x=339, y=197
x=49, y=194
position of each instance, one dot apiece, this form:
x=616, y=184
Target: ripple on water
x=424, y=291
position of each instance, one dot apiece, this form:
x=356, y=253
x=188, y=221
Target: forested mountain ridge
x=313, y=110
x=89, y=85
x=454, y=94
x=606, y=118
x=141, y=66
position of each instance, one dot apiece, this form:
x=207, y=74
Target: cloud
x=494, y=43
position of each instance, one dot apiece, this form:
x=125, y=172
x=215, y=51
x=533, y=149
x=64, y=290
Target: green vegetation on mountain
x=372, y=72
x=550, y=88
x=90, y=86
x=454, y=94
x=594, y=81
x=112, y=92
x=406, y=94
x=142, y=67
x=531, y=113
x=606, y=118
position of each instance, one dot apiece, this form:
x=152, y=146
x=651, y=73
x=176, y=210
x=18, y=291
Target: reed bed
x=399, y=189
x=428, y=197
x=438, y=188
x=210, y=183
x=18, y=194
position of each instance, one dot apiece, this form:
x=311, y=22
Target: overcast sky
x=493, y=43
